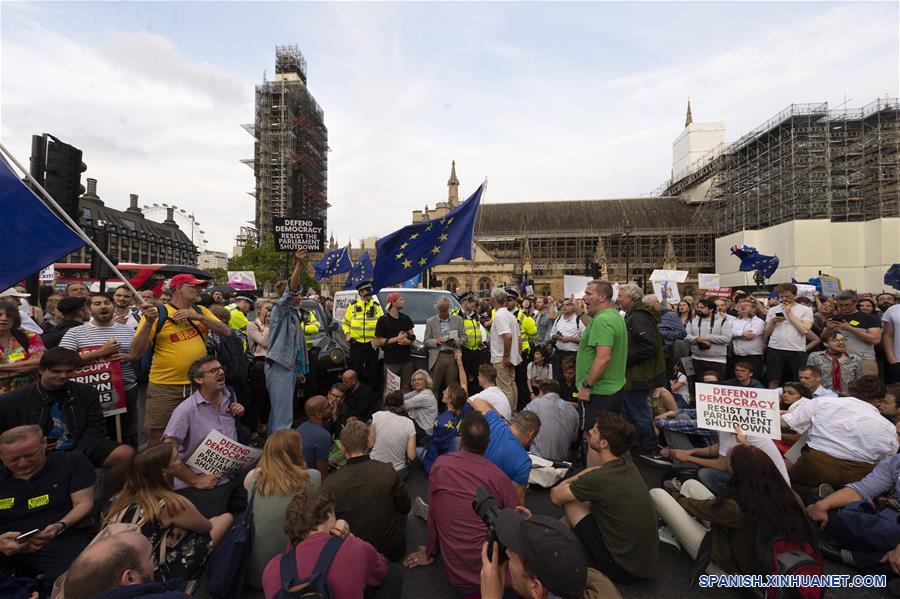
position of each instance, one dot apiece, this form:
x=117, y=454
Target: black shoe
x=656, y=459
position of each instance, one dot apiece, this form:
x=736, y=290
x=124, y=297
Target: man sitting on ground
x=316, y=440
x=50, y=492
x=559, y=423
x=360, y=401
x=490, y=392
x=608, y=505
x=847, y=437
x=454, y=529
x=117, y=567
x=811, y=378
x=211, y=407
x=69, y=414
x=370, y=495
x=744, y=376
x=509, y=444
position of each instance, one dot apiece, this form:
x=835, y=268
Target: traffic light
x=99, y=269
x=57, y=166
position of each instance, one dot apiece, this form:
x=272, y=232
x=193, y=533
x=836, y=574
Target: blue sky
x=549, y=100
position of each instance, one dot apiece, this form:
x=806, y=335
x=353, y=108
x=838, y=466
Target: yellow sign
x=36, y=502
x=7, y=503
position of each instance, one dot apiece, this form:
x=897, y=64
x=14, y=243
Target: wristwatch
x=587, y=385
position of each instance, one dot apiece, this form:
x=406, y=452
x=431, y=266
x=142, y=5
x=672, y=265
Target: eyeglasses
x=214, y=369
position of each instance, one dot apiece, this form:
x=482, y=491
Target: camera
x=487, y=509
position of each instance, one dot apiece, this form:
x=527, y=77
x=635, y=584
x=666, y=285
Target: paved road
x=430, y=582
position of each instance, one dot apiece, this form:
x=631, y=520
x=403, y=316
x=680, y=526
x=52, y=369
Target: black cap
x=68, y=305
x=466, y=296
x=364, y=286
x=511, y=293
x=548, y=548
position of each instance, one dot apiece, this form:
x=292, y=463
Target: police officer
x=528, y=336
x=239, y=308
x=359, y=328
x=472, y=350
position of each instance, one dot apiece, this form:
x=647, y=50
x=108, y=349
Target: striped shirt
x=91, y=336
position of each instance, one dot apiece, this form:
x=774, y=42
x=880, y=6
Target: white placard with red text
x=218, y=454
x=755, y=411
x=106, y=378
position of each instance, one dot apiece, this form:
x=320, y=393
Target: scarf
x=835, y=371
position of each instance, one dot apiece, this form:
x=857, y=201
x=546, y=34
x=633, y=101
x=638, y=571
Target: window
x=451, y=284
x=86, y=215
x=128, y=223
x=484, y=284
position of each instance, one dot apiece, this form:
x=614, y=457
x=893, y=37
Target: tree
x=269, y=264
x=220, y=275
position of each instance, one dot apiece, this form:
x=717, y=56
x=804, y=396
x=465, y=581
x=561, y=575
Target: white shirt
x=392, y=431
x=28, y=322
x=504, y=322
x=573, y=327
x=823, y=392
x=748, y=347
x=497, y=399
x=729, y=440
x=892, y=315
x=785, y=335
x=845, y=428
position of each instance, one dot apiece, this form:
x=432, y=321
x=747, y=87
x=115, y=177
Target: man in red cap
x=177, y=332
x=394, y=334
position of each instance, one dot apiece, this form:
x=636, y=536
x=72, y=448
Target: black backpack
x=314, y=587
x=231, y=355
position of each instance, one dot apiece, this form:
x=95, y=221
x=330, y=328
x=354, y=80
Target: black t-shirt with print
x=388, y=327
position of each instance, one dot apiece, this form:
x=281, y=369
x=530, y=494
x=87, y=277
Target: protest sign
x=292, y=234
x=806, y=291
x=720, y=292
x=666, y=292
x=708, y=281
x=106, y=377
x=755, y=411
x=47, y=275
x=218, y=454
x=679, y=276
x=831, y=286
x=391, y=380
x=242, y=280
x=574, y=285
x=688, y=365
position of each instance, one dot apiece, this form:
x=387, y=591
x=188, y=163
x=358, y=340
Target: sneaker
x=834, y=553
x=420, y=508
x=825, y=490
x=656, y=459
x=667, y=536
x=672, y=485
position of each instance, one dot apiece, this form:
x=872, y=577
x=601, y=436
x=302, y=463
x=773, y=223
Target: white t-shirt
x=571, y=327
x=497, y=399
x=892, y=315
x=785, y=335
x=729, y=440
x=504, y=322
x=392, y=432
x=684, y=391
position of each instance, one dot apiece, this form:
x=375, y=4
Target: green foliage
x=269, y=264
x=220, y=275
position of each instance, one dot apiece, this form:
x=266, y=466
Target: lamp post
x=626, y=228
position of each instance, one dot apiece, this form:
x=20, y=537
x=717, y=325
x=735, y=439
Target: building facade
x=207, y=260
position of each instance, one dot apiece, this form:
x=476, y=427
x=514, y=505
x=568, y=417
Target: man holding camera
x=786, y=329
x=454, y=527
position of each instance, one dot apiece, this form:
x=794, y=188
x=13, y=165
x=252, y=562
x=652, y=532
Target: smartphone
x=25, y=536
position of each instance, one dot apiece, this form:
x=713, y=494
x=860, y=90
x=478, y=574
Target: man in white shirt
x=506, y=351
x=890, y=340
x=566, y=333
x=786, y=329
x=847, y=436
x=811, y=378
x=487, y=379
x=559, y=423
x=748, y=336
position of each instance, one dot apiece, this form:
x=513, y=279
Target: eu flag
x=362, y=271
x=751, y=259
x=417, y=247
x=33, y=236
x=892, y=276
x=333, y=263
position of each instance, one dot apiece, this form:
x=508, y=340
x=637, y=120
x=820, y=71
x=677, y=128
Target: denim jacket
x=285, y=332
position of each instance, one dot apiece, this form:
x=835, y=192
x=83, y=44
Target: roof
x=131, y=221
x=595, y=216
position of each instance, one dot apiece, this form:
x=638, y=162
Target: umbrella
x=224, y=289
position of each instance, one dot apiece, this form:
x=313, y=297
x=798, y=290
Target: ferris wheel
x=186, y=222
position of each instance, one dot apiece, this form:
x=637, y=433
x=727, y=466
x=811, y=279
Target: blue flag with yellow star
x=362, y=271
x=333, y=263
x=414, y=248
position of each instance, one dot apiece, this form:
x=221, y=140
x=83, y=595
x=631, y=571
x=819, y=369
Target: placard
x=391, y=381
x=720, y=292
x=687, y=363
x=218, y=455
x=807, y=291
x=722, y=407
x=831, y=286
x=666, y=292
x=292, y=234
x=574, y=285
x=106, y=377
x=47, y=275
x=679, y=276
x=242, y=280
x=708, y=281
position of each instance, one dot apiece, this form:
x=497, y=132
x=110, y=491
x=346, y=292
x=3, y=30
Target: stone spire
x=600, y=258
x=669, y=259
x=688, y=119
x=453, y=187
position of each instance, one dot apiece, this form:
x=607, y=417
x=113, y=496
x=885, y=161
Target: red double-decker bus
x=141, y=276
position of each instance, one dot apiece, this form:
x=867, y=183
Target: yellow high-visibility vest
x=360, y=318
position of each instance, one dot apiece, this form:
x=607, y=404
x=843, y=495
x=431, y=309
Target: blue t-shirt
x=505, y=451
x=316, y=443
x=59, y=430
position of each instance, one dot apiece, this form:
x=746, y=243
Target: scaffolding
x=290, y=152
x=809, y=162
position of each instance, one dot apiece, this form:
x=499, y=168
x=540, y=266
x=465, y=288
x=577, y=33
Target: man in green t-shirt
x=608, y=506
x=602, y=353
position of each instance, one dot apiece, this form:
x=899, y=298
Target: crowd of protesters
x=590, y=384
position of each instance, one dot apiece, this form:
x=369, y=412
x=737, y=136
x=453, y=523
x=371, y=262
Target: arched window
x=484, y=284
x=451, y=284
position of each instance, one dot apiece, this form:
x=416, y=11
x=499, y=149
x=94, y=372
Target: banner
x=679, y=276
x=218, y=454
x=807, y=291
x=708, y=281
x=292, y=234
x=720, y=292
x=106, y=377
x=391, y=380
x=755, y=411
x=242, y=280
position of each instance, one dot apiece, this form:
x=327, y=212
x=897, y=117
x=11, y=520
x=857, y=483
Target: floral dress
x=14, y=352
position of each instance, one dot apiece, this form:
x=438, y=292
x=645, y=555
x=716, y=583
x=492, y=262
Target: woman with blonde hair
x=281, y=473
x=181, y=537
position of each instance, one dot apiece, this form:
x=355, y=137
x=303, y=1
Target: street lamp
x=626, y=228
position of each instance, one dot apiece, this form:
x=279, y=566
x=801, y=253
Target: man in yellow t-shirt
x=180, y=341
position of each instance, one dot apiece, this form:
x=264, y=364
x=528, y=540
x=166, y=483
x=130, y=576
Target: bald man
x=104, y=569
x=317, y=440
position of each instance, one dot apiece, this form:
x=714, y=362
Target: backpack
x=231, y=355
x=226, y=569
x=791, y=558
x=314, y=587
x=142, y=366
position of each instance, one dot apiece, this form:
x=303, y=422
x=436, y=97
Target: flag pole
x=72, y=224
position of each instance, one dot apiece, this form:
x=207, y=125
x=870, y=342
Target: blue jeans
x=714, y=480
x=636, y=408
x=280, y=385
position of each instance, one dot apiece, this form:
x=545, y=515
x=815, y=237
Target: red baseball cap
x=179, y=280
x=393, y=297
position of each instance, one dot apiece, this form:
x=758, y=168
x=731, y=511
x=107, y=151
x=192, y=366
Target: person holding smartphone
x=42, y=497
x=786, y=327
